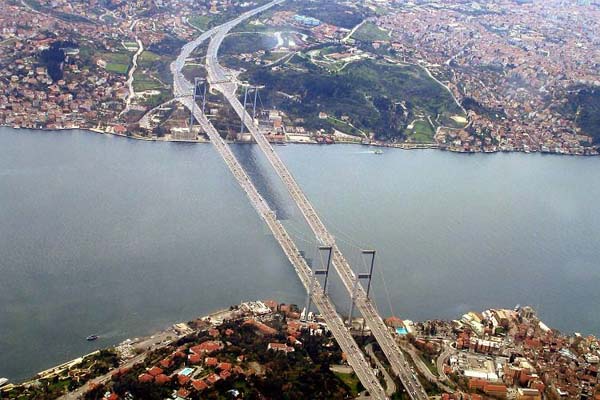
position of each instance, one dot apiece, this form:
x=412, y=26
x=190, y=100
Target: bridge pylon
x=359, y=276
x=197, y=81
x=315, y=273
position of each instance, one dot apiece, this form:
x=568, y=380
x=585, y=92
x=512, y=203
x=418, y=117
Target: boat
x=3, y=381
x=378, y=151
x=91, y=338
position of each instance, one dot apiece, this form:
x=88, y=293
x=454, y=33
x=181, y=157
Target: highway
x=182, y=88
x=217, y=76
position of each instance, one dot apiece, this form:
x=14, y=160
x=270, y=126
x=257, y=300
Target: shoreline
x=138, y=340
x=401, y=146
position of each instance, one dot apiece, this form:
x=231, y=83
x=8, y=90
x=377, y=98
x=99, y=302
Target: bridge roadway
x=355, y=356
x=217, y=76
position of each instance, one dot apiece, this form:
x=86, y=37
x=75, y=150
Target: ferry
x=91, y=338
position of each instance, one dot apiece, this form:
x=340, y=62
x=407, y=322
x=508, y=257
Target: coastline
x=401, y=146
x=151, y=340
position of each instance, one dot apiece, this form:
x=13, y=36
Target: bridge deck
x=217, y=75
x=355, y=357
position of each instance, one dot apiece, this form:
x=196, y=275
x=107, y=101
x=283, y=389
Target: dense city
x=466, y=77
x=261, y=348
x=505, y=75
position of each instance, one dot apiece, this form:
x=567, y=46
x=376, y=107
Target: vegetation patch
x=369, y=32
x=237, y=43
x=330, y=12
x=201, y=22
x=371, y=95
x=584, y=104
x=351, y=381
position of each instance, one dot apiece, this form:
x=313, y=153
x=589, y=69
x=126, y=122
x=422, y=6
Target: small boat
x=91, y=338
x=378, y=151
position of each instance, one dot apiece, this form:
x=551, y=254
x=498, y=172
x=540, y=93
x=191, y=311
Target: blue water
x=120, y=238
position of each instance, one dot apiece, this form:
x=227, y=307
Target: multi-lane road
x=356, y=358
x=217, y=75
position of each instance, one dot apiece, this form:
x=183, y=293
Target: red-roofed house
x=211, y=362
x=262, y=328
x=166, y=363
x=394, y=322
x=199, y=385
x=155, y=371
x=194, y=358
x=183, y=379
x=120, y=129
x=162, y=379
x=224, y=366
x=225, y=374
x=280, y=347
x=145, y=378
x=497, y=390
x=213, y=378
x=207, y=347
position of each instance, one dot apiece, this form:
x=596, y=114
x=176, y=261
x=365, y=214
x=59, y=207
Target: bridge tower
x=359, y=276
x=197, y=82
x=248, y=89
x=315, y=273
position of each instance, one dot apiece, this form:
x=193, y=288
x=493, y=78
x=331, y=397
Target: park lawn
x=369, y=32
x=201, y=22
x=422, y=132
x=117, y=68
x=148, y=57
x=117, y=62
x=349, y=380
x=142, y=85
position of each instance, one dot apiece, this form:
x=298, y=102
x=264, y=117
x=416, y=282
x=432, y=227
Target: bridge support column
x=194, y=98
x=369, y=276
x=325, y=271
x=244, y=114
x=204, y=99
x=254, y=106
x=352, y=296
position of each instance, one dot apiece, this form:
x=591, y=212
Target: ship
x=378, y=151
x=91, y=338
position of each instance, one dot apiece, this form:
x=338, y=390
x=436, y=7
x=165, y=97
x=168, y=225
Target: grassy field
x=369, y=32
x=351, y=381
x=117, y=62
x=201, y=22
x=148, y=57
x=238, y=43
x=421, y=132
x=117, y=68
x=142, y=83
